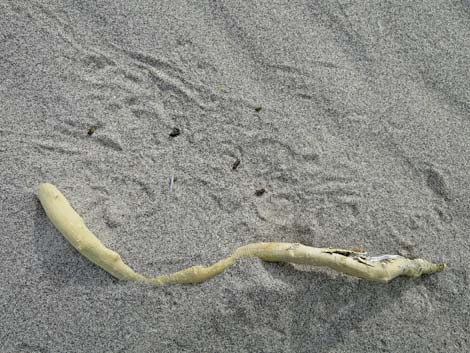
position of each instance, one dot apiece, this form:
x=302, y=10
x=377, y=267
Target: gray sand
x=362, y=140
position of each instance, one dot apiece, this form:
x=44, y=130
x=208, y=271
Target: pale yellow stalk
x=380, y=269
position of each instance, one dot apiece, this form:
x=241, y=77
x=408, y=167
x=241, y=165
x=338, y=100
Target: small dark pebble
x=175, y=132
x=258, y=109
x=260, y=192
x=91, y=130
x=236, y=164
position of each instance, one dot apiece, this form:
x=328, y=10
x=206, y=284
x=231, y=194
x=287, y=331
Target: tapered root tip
x=44, y=186
x=46, y=189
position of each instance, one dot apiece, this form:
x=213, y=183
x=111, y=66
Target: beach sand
x=353, y=118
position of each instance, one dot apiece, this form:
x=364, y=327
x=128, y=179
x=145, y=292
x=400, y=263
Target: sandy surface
x=353, y=116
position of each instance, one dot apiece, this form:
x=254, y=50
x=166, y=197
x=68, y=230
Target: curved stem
x=351, y=262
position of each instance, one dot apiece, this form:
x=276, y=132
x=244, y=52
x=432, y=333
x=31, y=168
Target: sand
x=352, y=116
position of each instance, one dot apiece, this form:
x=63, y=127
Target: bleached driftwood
x=352, y=262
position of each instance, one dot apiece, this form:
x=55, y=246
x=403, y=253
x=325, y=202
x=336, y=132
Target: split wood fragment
x=352, y=262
